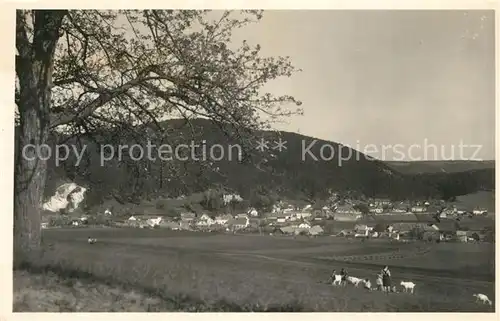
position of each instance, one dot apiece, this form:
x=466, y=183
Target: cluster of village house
x=403, y=218
x=289, y=219
x=294, y=223
x=406, y=218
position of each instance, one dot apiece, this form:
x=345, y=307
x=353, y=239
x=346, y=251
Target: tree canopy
x=120, y=69
x=80, y=72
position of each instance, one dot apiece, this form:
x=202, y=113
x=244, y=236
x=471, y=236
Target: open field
x=174, y=270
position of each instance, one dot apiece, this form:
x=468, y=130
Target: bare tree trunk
x=161, y=177
x=34, y=67
x=29, y=185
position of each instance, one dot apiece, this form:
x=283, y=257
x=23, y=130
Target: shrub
x=100, y=220
x=160, y=205
x=172, y=212
x=59, y=220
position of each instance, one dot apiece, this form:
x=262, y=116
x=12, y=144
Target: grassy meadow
x=162, y=270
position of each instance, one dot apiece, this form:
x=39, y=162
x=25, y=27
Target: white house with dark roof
x=376, y=210
x=347, y=209
x=223, y=219
x=418, y=209
x=205, y=220
x=253, y=212
x=303, y=215
x=305, y=225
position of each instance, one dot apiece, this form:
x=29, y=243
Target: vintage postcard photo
x=266, y=160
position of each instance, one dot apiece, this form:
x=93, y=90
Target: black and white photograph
x=257, y=160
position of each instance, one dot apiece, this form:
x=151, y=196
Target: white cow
x=482, y=297
x=91, y=240
x=354, y=280
x=337, y=279
x=408, y=286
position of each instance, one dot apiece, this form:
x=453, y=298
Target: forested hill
x=285, y=173
x=422, y=167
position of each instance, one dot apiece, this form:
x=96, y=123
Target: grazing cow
x=354, y=280
x=408, y=286
x=367, y=284
x=91, y=240
x=483, y=298
x=335, y=278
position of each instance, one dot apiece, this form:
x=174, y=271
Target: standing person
x=379, y=283
x=386, y=279
x=332, y=277
x=343, y=272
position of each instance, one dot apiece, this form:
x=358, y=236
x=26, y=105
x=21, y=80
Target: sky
x=389, y=83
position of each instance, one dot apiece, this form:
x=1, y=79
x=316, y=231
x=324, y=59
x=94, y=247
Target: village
x=427, y=221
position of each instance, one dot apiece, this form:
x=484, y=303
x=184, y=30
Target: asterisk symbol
x=280, y=145
x=262, y=145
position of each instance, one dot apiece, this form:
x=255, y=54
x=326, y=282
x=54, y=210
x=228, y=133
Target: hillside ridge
x=284, y=173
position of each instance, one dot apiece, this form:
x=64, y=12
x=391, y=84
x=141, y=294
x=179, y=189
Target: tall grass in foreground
x=53, y=289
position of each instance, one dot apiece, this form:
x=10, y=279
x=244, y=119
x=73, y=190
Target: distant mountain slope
x=459, y=183
x=419, y=167
x=285, y=173
x=484, y=199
